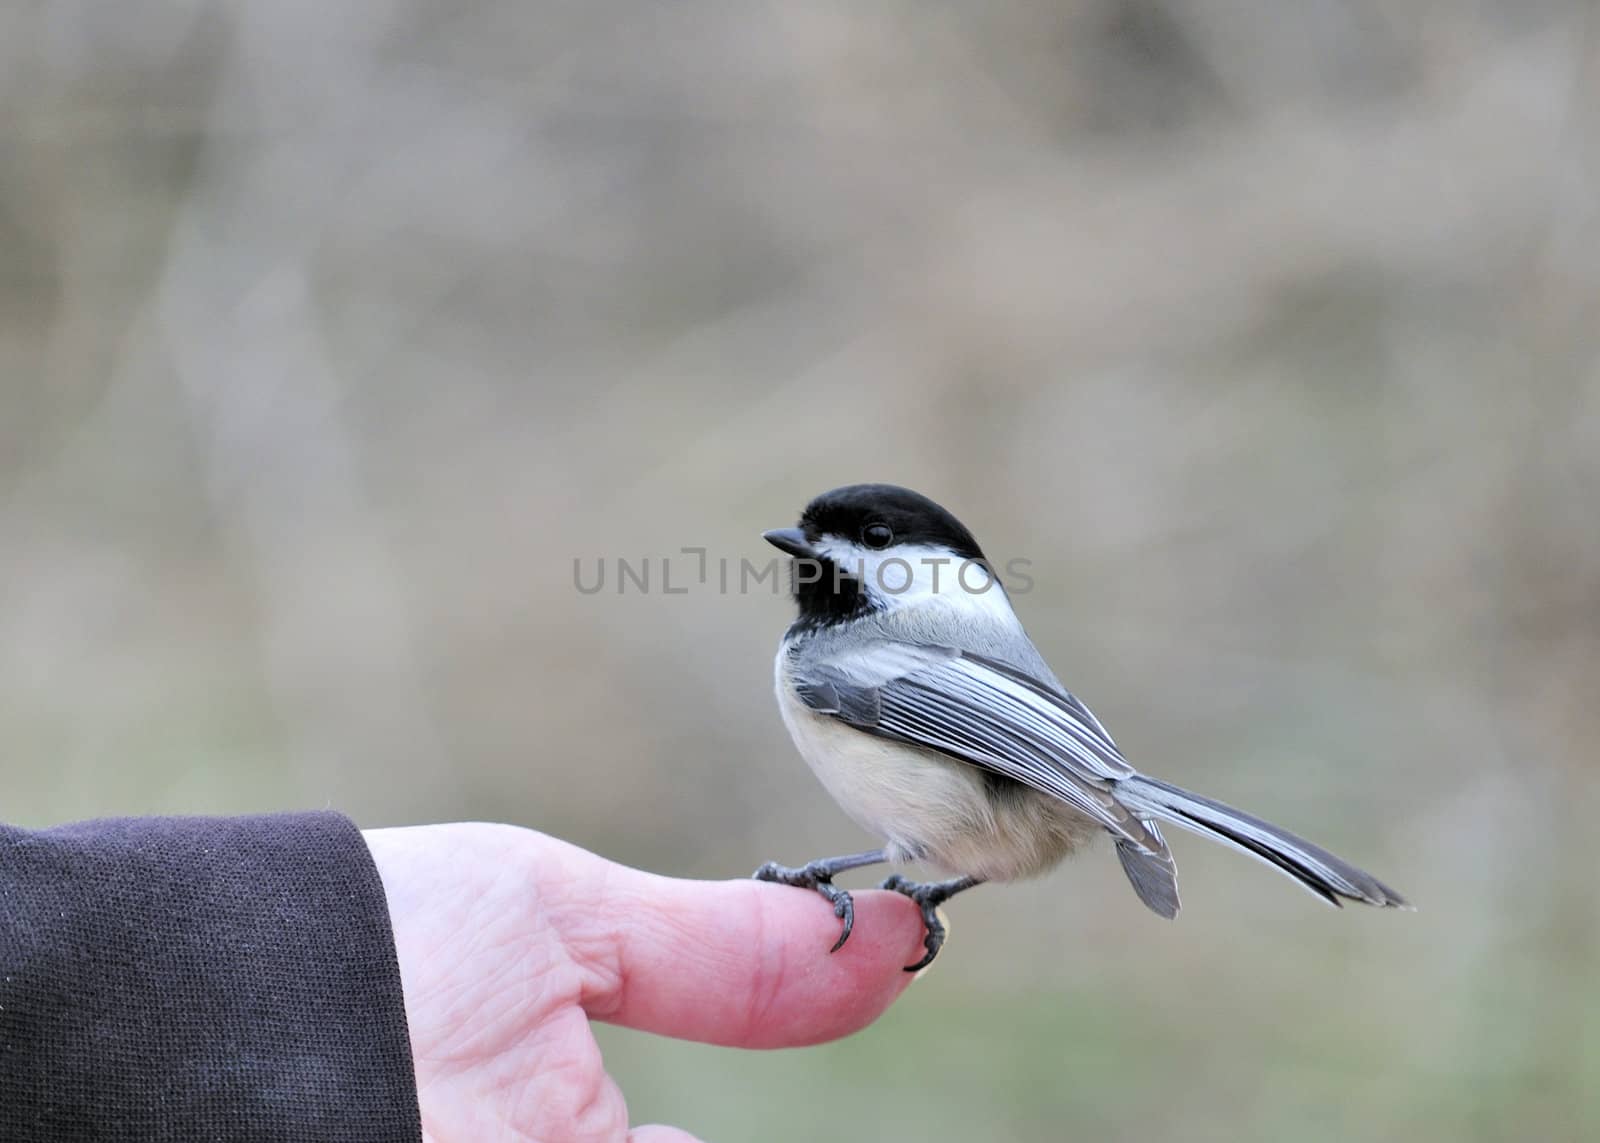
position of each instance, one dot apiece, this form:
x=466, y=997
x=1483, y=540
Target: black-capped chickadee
x=912, y=690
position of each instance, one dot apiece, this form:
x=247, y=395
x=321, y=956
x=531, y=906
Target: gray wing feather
x=984, y=713
x=855, y=705
x=1154, y=876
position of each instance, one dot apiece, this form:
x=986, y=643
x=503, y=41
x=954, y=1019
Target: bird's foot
x=817, y=876
x=928, y=896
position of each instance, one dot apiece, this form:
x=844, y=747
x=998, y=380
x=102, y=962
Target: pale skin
x=511, y=943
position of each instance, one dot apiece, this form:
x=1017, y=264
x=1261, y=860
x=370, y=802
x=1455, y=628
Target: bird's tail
x=1327, y=876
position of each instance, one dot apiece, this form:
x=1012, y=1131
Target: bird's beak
x=791, y=540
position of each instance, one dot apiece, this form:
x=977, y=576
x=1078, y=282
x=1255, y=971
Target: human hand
x=510, y=942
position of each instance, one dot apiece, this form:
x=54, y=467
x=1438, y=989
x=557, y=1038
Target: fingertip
x=818, y=995
x=746, y=963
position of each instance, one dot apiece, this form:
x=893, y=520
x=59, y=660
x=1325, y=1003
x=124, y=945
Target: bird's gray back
x=994, y=633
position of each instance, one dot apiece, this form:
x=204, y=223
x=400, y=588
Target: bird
x=910, y=687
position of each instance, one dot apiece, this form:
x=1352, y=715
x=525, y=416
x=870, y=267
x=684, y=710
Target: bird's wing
x=983, y=712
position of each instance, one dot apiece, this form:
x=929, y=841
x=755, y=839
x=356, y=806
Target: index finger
x=739, y=963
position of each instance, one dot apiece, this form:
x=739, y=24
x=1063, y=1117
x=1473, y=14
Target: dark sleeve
x=200, y=978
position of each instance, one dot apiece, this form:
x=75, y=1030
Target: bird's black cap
x=912, y=517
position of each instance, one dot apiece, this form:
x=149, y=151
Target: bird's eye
x=877, y=536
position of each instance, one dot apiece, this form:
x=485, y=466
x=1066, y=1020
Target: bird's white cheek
x=906, y=575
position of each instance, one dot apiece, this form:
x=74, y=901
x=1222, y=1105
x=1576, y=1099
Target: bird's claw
x=818, y=878
x=927, y=896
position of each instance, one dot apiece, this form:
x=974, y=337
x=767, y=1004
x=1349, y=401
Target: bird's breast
x=929, y=806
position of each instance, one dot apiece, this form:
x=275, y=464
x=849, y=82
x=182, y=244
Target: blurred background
x=332, y=336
